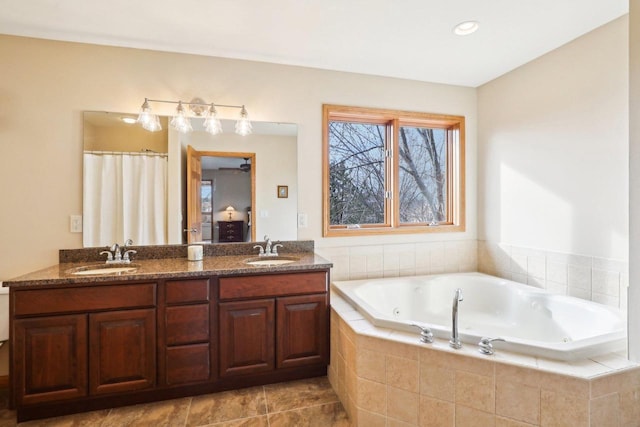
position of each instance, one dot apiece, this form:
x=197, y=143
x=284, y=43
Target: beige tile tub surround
x=401, y=259
x=388, y=378
x=602, y=280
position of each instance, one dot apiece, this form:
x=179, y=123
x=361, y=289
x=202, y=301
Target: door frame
x=194, y=160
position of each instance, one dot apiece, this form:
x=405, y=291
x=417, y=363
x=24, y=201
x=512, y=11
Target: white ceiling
x=409, y=39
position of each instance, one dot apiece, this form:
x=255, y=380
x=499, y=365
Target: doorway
x=220, y=196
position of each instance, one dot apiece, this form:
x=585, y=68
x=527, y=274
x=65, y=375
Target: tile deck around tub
x=587, y=368
x=374, y=372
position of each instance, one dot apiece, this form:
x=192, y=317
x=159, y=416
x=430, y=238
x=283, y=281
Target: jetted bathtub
x=531, y=320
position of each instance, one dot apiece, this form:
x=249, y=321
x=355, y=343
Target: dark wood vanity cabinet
x=271, y=322
x=98, y=350
x=98, y=345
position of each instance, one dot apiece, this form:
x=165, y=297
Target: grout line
x=266, y=404
x=306, y=407
x=227, y=422
x=104, y=420
x=186, y=419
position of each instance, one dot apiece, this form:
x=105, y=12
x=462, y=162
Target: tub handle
x=485, y=345
x=426, y=336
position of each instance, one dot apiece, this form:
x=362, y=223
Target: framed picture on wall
x=283, y=191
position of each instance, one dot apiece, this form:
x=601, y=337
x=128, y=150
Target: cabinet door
x=123, y=350
x=246, y=337
x=302, y=330
x=50, y=358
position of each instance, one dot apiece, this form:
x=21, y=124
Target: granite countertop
x=166, y=268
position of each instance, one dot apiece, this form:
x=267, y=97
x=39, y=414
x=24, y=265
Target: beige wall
x=553, y=149
x=46, y=85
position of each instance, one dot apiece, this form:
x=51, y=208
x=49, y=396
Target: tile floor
x=310, y=402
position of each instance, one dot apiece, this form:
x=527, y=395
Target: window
x=391, y=171
x=206, y=193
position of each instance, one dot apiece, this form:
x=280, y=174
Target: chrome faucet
x=455, y=339
x=267, y=245
x=115, y=253
x=269, y=249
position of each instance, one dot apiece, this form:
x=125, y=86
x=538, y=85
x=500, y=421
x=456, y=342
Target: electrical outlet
x=264, y=213
x=303, y=220
x=75, y=223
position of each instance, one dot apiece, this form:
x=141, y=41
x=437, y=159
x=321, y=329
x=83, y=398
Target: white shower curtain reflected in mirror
x=124, y=198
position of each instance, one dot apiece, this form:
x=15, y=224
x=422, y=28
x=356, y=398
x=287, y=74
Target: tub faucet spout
x=455, y=339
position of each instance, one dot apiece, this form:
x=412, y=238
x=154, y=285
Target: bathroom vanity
x=171, y=328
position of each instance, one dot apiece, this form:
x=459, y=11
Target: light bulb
x=243, y=125
x=180, y=121
x=147, y=119
x=211, y=122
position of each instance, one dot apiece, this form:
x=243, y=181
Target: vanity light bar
x=182, y=123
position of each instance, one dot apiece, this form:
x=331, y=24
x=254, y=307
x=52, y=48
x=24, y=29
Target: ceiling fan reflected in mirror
x=244, y=167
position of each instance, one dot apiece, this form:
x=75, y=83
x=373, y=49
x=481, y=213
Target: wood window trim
x=456, y=207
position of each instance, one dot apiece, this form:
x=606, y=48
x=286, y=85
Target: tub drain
x=566, y=339
x=396, y=312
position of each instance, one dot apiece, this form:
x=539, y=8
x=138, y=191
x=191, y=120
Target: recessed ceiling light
x=465, y=28
x=129, y=120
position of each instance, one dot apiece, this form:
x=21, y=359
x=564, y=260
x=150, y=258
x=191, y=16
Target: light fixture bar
x=204, y=104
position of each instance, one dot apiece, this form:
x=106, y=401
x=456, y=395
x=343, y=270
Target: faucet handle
x=274, y=249
x=485, y=345
x=261, y=249
x=126, y=257
x=109, y=255
x=426, y=336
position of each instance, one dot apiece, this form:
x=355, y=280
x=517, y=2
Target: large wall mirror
x=136, y=184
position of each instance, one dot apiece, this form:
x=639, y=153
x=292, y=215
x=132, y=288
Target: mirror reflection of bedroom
x=225, y=193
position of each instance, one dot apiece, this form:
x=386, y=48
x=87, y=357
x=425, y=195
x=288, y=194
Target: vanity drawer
x=187, y=324
x=273, y=285
x=187, y=291
x=90, y=298
x=189, y=363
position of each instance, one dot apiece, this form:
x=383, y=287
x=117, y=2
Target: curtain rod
x=131, y=153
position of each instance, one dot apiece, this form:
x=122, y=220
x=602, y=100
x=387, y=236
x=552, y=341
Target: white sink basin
x=270, y=261
x=103, y=269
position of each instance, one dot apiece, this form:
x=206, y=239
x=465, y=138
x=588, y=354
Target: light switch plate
x=303, y=220
x=75, y=223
